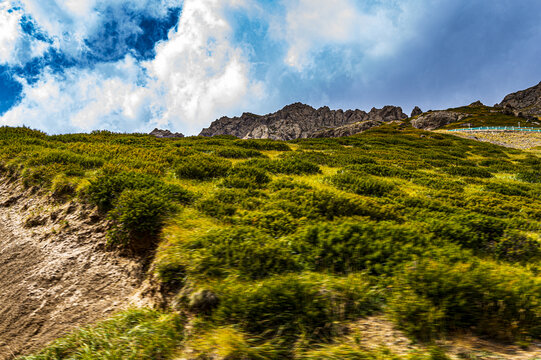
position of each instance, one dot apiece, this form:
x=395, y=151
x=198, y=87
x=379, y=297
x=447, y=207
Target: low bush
x=473, y=231
x=291, y=306
x=509, y=189
x=530, y=176
x=274, y=222
x=354, y=246
x=469, y=171
x=201, y=167
x=361, y=185
x=245, y=250
x=133, y=334
x=63, y=157
x=247, y=177
x=317, y=204
x=262, y=145
x=498, y=301
x=236, y=153
x=381, y=170
x=137, y=218
x=107, y=187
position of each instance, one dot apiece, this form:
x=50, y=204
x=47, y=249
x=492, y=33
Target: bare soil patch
x=377, y=331
x=55, y=271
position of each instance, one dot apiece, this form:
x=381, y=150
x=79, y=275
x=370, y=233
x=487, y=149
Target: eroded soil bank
x=55, y=273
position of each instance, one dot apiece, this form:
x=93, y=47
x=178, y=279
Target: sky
x=132, y=65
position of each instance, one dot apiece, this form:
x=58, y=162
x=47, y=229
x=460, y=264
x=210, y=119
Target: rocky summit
x=165, y=134
x=298, y=121
x=528, y=101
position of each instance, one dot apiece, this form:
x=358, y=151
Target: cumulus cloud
x=196, y=76
x=201, y=74
x=16, y=47
x=312, y=25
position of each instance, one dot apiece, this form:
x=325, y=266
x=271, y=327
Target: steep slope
x=296, y=121
x=55, y=273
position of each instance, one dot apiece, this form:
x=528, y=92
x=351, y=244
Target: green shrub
x=107, y=187
x=530, y=176
x=262, y=145
x=468, y=171
x=510, y=189
x=275, y=222
x=236, y=153
x=133, y=334
x=498, y=301
x=361, y=185
x=291, y=306
x=202, y=167
x=381, y=170
x=288, y=166
x=225, y=202
x=314, y=204
x=473, y=231
x=515, y=246
x=247, y=177
x=63, y=157
x=137, y=218
x=243, y=249
x=354, y=246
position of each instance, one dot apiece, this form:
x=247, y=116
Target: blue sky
x=132, y=65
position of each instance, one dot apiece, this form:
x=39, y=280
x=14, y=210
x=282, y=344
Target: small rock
x=204, y=301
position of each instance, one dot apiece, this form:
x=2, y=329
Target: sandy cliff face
x=55, y=273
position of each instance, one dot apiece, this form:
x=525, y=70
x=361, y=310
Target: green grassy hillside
x=271, y=250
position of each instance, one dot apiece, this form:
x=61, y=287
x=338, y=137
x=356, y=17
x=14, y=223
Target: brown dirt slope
x=55, y=273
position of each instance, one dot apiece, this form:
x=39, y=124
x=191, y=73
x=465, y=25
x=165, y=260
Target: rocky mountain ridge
x=528, y=101
x=297, y=121
x=303, y=121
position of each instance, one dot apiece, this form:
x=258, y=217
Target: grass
x=271, y=248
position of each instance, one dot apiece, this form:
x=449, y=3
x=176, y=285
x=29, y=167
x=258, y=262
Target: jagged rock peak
x=476, y=104
x=296, y=121
x=165, y=134
x=416, y=111
x=527, y=101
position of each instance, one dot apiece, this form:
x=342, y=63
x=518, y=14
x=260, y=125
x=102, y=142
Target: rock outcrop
x=297, y=121
x=526, y=102
x=416, y=111
x=165, y=134
x=437, y=119
x=347, y=130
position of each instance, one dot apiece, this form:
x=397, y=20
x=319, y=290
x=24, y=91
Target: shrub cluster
x=361, y=184
x=201, y=167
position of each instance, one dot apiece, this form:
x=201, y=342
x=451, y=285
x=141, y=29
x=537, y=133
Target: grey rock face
x=347, y=130
x=436, y=119
x=528, y=101
x=416, y=111
x=296, y=121
x=165, y=134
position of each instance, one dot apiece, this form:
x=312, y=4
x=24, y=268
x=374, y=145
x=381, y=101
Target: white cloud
x=197, y=76
x=199, y=71
x=16, y=48
x=312, y=25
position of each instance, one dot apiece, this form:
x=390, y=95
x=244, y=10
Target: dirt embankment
x=55, y=273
